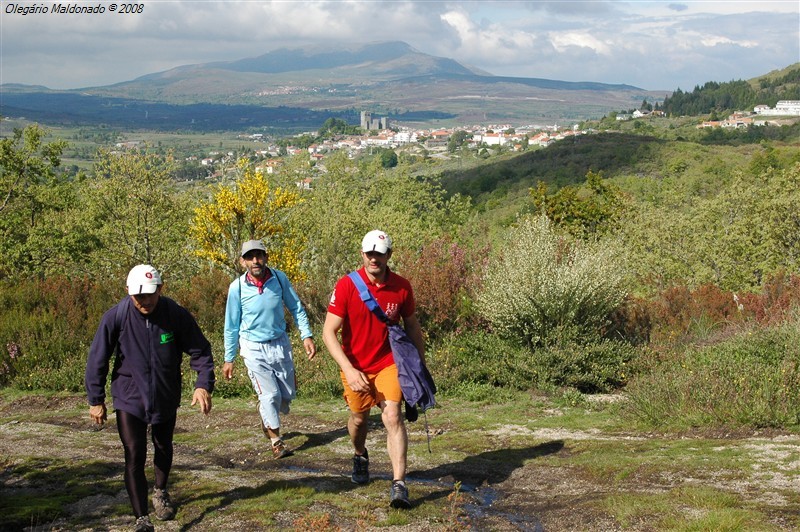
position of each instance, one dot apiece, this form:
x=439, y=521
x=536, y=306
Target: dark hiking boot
x=360, y=468
x=162, y=505
x=143, y=524
x=399, y=496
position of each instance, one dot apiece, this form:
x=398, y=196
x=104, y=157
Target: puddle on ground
x=483, y=498
x=486, y=497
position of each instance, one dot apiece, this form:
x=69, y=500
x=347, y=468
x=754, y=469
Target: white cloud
x=715, y=40
x=562, y=41
x=486, y=43
x=650, y=44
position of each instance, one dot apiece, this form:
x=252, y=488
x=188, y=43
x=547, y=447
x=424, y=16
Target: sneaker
x=279, y=450
x=399, y=497
x=162, y=505
x=360, y=468
x=143, y=524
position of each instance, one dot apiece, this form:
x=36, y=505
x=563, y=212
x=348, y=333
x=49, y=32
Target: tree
x=337, y=126
x=133, y=210
x=457, y=139
x=353, y=197
x=386, y=156
x=250, y=207
x=30, y=188
x=594, y=208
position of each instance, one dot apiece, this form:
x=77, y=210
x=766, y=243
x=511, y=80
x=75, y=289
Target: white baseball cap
x=376, y=241
x=143, y=279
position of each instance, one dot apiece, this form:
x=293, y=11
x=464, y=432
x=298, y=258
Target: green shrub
x=46, y=327
x=540, y=283
x=750, y=379
x=595, y=367
x=479, y=361
x=479, y=358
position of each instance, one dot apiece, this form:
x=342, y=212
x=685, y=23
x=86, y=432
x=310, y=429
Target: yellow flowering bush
x=250, y=207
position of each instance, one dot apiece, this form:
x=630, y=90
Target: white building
x=782, y=108
x=404, y=137
x=492, y=139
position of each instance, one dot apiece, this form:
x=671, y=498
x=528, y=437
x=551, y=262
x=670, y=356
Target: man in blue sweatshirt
x=255, y=323
x=149, y=333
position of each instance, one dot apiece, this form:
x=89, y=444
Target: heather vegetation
x=646, y=261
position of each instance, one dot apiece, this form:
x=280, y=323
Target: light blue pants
x=271, y=370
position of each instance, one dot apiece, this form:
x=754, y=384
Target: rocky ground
x=511, y=477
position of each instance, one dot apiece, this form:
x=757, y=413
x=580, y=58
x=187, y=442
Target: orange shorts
x=384, y=386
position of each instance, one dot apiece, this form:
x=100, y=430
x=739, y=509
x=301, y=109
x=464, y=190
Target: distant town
x=378, y=132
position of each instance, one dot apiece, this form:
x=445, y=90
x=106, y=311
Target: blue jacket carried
x=415, y=379
x=146, y=377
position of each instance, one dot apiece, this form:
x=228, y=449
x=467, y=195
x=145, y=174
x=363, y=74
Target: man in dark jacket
x=149, y=333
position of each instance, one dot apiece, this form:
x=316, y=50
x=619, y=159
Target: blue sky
x=652, y=45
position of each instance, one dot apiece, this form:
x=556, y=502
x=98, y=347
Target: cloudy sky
x=650, y=44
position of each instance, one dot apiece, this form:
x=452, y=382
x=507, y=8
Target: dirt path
x=512, y=476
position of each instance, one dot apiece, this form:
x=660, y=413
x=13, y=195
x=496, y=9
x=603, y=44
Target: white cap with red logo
x=376, y=241
x=143, y=279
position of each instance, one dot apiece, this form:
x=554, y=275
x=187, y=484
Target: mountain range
x=299, y=88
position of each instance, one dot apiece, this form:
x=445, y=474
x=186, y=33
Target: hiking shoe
x=143, y=524
x=162, y=505
x=279, y=450
x=399, y=496
x=412, y=414
x=360, y=468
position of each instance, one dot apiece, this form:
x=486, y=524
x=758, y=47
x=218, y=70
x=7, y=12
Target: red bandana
x=259, y=283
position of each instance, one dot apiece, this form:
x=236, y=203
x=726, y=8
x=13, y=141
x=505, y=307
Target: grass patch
x=692, y=508
x=229, y=479
x=748, y=380
x=47, y=485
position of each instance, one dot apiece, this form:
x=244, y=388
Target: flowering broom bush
x=540, y=288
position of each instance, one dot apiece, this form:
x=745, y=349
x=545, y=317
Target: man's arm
x=233, y=320
x=355, y=379
x=194, y=343
x=103, y=345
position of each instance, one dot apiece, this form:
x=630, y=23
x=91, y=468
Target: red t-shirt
x=365, y=338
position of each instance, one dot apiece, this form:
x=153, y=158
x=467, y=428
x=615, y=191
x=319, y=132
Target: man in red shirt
x=368, y=371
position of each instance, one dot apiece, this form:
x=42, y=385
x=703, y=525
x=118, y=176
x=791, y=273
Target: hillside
x=310, y=85
x=632, y=158
x=379, y=61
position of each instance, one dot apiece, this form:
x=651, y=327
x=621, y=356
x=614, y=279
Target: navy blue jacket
x=146, y=379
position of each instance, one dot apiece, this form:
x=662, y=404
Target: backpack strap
x=274, y=273
x=366, y=297
x=119, y=315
